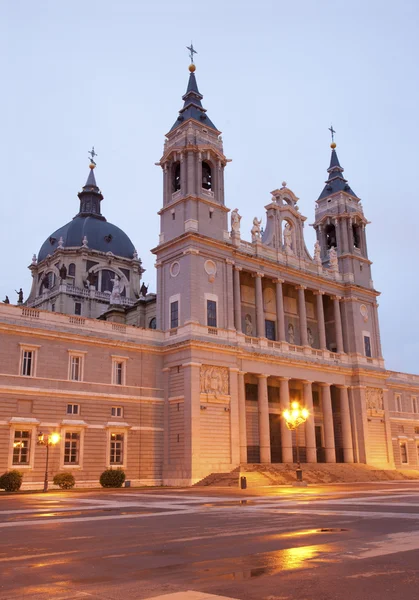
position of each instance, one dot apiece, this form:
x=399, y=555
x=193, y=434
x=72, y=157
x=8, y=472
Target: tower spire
x=335, y=182
x=91, y=196
x=192, y=106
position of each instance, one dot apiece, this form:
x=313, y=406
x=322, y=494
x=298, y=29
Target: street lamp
x=293, y=419
x=50, y=439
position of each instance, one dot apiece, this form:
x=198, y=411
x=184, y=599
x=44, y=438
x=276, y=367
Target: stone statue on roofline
x=116, y=291
x=316, y=256
x=333, y=259
x=256, y=230
x=235, y=221
x=288, y=239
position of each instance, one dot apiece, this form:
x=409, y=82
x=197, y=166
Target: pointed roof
x=192, y=107
x=90, y=197
x=336, y=182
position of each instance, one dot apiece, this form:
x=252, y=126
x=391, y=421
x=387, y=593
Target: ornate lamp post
x=47, y=440
x=294, y=418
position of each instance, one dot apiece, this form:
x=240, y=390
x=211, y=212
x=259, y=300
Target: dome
x=100, y=234
x=89, y=223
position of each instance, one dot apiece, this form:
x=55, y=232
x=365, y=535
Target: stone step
x=258, y=475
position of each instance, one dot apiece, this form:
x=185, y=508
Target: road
x=316, y=543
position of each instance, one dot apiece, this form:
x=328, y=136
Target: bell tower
x=340, y=224
x=193, y=165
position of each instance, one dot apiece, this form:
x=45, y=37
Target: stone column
x=229, y=305
x=345, y=240
x=377, y=336
x=311, y=450
x=320, y=320
x=237, y=300
x=302, y=315
x=338, y=236
x=192, y=417
x=166, y=421
x=263, y=409
x=338, y=324
x=280, y=319
x=242, y=418
x=348, y=453
x=329, y=433
x=234, y=417
x=190, y=179
x=286, y=437
x=260, y=317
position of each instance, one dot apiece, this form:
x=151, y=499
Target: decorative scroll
x=374, y=401
x=214, y=380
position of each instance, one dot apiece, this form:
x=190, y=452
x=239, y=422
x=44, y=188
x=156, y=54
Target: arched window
x=175, y=177
x=48, y=281
x=330, y=233
x=357, y=237
x=106, y=284
x=71, y=270
x=152, y=324
x=206, y=176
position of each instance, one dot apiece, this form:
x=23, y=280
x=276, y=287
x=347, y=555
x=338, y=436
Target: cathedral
x=196, y=379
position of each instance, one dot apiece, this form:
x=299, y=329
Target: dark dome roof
x=101, y=235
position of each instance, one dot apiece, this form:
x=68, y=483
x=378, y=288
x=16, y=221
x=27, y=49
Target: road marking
x=391, y=544
x=29, y=556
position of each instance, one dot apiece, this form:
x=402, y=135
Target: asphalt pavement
x=278, y=543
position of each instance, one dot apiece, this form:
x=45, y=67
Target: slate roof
x=101, y=235
x=192, y=107
x=336, y=182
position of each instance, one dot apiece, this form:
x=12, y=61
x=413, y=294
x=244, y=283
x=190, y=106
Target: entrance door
x=275, y=435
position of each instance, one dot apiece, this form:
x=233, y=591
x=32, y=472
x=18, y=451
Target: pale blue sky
x=274, y=76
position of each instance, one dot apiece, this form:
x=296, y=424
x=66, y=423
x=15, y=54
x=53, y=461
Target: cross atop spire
x=192, y=51
x=92, y=157
x=332, y=131
x=192, y=107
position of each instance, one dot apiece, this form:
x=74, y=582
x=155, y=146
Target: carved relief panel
x=214, y=380
x=374, y=398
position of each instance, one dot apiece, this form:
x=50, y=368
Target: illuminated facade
x=194, y=379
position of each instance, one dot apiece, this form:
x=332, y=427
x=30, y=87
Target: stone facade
x=195, y=379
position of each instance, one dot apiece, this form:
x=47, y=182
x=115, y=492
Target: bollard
x=243, y=483
x=299, y=474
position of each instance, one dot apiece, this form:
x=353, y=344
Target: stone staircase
x=258, y=475
x=230, y=479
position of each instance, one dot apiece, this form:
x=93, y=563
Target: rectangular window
x=75, y=368
x=174, y=315
x=52, y=307
x=21, y=447
x=416, y=430
x=398, y=403
x=77, y=308
x=73, y=409
x=367, y=346
x=403, y=453
x=117, y=411
x=211, y=313
x=316, y=399
x=28, y=361
x=118, y=373
x=270, y=330
x=71, y=448
x=117, y=449
x=251, y=391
